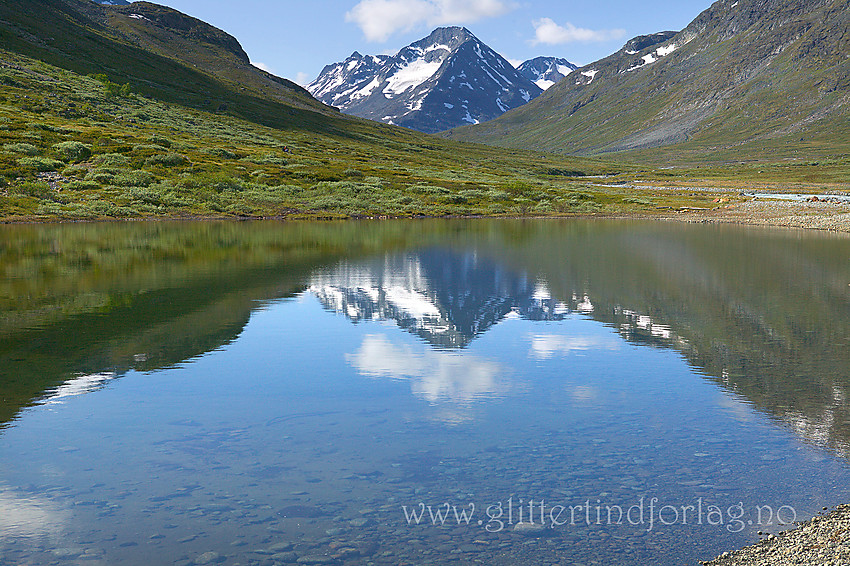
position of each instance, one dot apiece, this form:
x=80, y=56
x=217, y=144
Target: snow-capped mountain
x=448, y=79
x=113, y=2
x=546, y=71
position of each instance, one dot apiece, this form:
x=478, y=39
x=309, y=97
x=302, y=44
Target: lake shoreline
x=755, y=212
x=823, y=539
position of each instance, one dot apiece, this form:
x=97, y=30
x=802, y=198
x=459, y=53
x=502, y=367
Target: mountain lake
x=538, y=392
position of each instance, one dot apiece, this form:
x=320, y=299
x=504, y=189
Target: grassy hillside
x=752, y=79
x=78, y=147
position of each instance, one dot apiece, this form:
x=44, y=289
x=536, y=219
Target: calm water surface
x=447, y=392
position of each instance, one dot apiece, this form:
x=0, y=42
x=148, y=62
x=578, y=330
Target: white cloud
x=516, y=62
x=262, y=66
x=380, y=19
x=302, y=79
x=551, y=33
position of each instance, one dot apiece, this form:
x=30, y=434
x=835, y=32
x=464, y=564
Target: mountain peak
x=446, y=79
x=546, y=71
x=450, y=32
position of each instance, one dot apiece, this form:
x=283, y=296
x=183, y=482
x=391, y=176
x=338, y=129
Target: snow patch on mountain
x=591, y=74
x=411, y=75
x=653, y=56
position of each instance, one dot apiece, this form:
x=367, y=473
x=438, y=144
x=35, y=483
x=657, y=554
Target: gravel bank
x=812, y=215
x=822, y=541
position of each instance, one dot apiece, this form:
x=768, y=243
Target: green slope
x=748, y=79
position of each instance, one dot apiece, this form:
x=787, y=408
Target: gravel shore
x=823, y=540
x=811, y=215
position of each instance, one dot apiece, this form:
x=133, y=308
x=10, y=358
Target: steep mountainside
x=157, y=50
x=445, y=80
x=746, y=77
x=546, y=71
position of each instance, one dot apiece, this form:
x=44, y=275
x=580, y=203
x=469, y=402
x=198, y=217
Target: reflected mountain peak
x=447, y=298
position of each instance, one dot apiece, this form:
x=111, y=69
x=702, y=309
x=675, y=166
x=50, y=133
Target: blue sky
x=296, y=39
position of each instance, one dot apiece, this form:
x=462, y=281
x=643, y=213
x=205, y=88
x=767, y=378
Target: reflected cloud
x=545, y=346
x=736, y=407
x=584, y=394
x=436, y=376
x=820, y=430
x=28, y=516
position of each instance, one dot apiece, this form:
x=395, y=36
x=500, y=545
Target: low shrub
x=148, y=150
x=223, y=153
x=72, y=151
x=102, y=176
x=166, y=160
x=217, y=182
x=82, y=186
x=75, y=171
x=40, y=163
x=37, y=189
x=136, y=178
x=428, y=190
x=22, y=148
x=145, y=195
x=112, y=160
x=160, y=141
x=267, y=159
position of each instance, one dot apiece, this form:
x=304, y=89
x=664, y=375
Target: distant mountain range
x=445, y=80
x=761, y=78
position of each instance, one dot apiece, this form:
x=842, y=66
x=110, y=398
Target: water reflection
x=445, y=297
x=436, y=375
x=162, y=381
x=27, y=516
x=78, y=386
